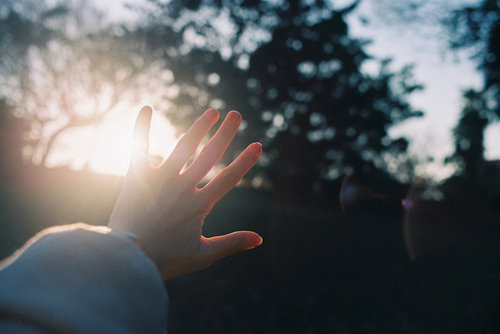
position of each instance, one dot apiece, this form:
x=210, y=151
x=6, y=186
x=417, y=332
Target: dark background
x=354, y=242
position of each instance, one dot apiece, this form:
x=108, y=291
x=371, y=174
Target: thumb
x=141, y=135
x=216, y=248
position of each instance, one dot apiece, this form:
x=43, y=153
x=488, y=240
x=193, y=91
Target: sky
x=445, y=75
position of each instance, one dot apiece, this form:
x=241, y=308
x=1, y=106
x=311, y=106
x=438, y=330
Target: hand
x=164, y=207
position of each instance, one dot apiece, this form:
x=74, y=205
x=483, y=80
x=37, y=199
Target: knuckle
x=248, y=159
x=200, y=121
x=182, y=144
x=204, y=204
x=211, y=153
x=228, y=131
x=234, y=246
x=229, y=174
x=207, y=150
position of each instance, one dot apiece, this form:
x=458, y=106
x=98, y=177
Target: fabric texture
x=81, y=279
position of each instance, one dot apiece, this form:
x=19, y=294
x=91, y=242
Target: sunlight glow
x=115, y=140
x=106, y=148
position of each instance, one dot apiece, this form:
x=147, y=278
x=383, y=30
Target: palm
x=165, y=208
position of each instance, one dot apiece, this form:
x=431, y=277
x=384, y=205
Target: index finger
x=188, y=144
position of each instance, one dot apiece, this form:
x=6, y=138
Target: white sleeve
x=82, y=279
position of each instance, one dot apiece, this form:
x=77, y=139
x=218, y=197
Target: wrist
x=144, y=249
x=135, y=239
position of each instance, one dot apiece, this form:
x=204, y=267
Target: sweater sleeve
x=82, y=279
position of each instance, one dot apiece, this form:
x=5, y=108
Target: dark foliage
x=300, y=87
x=478, y=28
x=469, y=135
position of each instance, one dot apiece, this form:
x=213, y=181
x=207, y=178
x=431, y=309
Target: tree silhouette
x=295, y=72
x=477, y=28
x=63, y=68
x=469, y=134
x=471, y=27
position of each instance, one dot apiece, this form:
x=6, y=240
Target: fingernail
x=255, y=241
x=256, y=148
x=234, y=116
x=212, y=113
x=260, y=241
x=146, y=109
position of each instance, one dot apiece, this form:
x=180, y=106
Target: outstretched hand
x=164, y=207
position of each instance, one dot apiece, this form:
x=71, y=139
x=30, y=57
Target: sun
x=113, y=142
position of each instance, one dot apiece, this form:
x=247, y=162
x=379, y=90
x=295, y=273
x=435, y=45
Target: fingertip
x=143, y=120
x=234, y=116
x=146, y=111
x=256, y=148
x=141, y=136
x=212, y=114
x=254, y=240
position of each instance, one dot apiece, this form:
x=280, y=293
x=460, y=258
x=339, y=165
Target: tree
x=291, y=68
x=469, y=134
x=295, y=72
x=477, y=28
x=64, y=69
x=464, y=26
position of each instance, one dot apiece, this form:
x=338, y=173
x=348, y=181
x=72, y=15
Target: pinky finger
x=232, y=174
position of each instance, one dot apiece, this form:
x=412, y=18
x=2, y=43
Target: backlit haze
x=444, y=78
x=111, y=143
